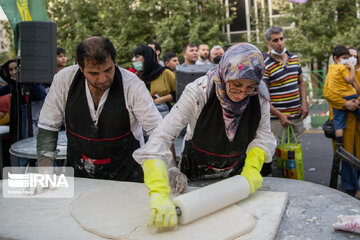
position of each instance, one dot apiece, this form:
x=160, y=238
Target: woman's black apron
x=209, y=154
x=103, y=151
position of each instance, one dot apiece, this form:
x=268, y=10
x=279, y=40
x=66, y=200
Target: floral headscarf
x=241, y=61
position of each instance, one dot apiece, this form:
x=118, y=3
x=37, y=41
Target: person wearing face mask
x=341, y=81
x=344, y=111
x=227, y=114
x=159, y=80
x=354, y=59
x=283, y=74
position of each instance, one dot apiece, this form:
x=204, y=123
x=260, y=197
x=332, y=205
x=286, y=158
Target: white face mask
x=277, y=53
x=353, y=61
x=344, y=61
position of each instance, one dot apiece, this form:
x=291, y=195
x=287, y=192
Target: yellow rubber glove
x=162, y=215
x=253, y=164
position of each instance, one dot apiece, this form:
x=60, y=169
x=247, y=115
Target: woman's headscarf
x=152, y=69
x=241, y=61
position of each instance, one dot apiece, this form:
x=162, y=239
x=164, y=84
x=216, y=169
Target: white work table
x=310, y=212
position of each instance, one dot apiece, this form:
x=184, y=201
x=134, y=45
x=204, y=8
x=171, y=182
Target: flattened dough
x=122, y=212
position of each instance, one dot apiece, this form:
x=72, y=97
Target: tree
x=128, y=23
x=320, y=25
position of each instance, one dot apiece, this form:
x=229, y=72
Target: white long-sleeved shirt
x=142, y=111
x=186, y=113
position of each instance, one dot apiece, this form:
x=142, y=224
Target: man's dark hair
x=271, y=31
x=157, y=46
x=340, y=50
x=191, y=45
x=95, y=48
x=168, y=56
x=60, y=50
x=202, y=44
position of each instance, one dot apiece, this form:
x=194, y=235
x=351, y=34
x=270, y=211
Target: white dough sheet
x=122, y=212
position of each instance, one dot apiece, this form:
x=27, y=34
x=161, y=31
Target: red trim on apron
x=219, y=155
x=99, y=140
x=96, y=161
x=222, y=169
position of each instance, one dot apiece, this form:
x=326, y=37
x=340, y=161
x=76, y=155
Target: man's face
x=216, y=52
x=277, y=42
x=153, y=47
x=191, y=55
x=61, y=60
x=99, y=76
x=204, y=51
x=172, y=63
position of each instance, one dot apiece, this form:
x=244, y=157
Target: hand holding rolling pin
x=162, y=215
x=178, y=180
x=253, y=164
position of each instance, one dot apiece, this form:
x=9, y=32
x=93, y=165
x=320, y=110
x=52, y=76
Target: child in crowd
x=341, y=80
x=61, y=59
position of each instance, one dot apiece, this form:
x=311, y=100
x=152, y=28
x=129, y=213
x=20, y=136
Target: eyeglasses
x=237, y=91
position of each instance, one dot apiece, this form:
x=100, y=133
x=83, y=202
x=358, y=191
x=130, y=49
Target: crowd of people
x=15, y=98
x=232, y=115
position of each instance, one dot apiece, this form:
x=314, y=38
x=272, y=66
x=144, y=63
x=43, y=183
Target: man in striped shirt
x=287, y=88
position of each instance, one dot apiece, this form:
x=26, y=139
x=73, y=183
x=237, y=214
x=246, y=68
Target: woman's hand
x=351, y=105
x=163, y=99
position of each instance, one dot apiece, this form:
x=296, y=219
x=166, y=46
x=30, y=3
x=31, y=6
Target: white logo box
x=21, y=182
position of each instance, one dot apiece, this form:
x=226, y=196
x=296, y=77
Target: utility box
x=37, y=45
x=186, y=74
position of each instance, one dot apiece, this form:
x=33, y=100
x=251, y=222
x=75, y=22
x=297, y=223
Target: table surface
x=310, y=212
x=4, y=130
x=26, y=148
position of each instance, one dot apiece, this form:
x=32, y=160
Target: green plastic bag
x=290, y=157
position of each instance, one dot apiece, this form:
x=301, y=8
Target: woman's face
x=353, y=53
x=239, y=89
x=136, y=60
x=13, y=70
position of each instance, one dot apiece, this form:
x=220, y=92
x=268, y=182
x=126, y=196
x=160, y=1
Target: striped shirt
x=283, y=83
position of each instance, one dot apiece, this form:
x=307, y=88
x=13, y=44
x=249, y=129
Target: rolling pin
x=206, y=200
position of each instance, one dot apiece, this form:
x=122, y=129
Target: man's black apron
x=103, y=151
x=209, y=154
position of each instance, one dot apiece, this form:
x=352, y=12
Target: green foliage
x=320, y=25
x=129, y=23
x=10, y=37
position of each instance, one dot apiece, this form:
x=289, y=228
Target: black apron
x=209, y=154
x=103, y=151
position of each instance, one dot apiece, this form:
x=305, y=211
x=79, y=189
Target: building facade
x=251, y=15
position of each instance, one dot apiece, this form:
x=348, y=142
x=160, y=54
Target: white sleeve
x=53, y=111
x=264, y=138
x=140, y=104
x=185, y=111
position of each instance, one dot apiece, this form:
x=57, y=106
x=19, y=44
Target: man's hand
x=304, y=111
x=284, y=120
x=38, y=189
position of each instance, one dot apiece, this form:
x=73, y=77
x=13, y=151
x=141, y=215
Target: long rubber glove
x=162, y=215
x=253, y=164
